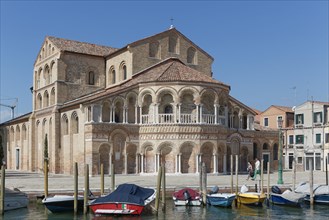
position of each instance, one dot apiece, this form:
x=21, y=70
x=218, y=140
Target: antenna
x=12, y=107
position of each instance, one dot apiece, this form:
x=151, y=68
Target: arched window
x=46, y=99
x=75, y=123
x=89, y=112
x=39, y=102
x=154, y=49
x=123, y=71
x=191, y=55
x=91, y=78
x=112, y=75
x=168, y=109
x=65, y=125
x=265, y=146
x=39, y=78
x=52, y=96
x=173, y=44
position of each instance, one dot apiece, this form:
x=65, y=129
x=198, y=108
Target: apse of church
x=149, y=103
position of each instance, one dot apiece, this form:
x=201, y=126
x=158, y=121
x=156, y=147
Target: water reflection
x=38, y=211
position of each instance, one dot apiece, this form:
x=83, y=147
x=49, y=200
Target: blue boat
x=287, y=198
x=320, y=195
x=62, y=203
x=221, y=199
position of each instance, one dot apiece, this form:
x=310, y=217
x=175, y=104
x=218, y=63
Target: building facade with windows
x=152, y=101
x=311, y=145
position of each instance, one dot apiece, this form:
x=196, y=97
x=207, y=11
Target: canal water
x=39, y=212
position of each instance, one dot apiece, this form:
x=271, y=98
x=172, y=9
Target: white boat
x=62, y=203
x=15, y=199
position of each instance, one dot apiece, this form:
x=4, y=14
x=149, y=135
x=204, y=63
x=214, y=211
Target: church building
x=150, y=102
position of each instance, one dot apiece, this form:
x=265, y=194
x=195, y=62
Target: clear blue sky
x=262, y=49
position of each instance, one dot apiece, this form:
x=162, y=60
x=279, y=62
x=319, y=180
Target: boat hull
x=251, y=198
x=320, y=199
x=15, y=200
x=277, y=199
x=196, y=202
x=117, y=208
x=223, y=200
x=58, y=204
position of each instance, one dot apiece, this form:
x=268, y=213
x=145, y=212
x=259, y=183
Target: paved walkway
x=34, y=182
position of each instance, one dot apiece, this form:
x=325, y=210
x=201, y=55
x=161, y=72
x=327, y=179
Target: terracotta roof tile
x=81, y=47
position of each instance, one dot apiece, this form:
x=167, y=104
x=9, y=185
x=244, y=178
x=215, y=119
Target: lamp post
x=280, y=180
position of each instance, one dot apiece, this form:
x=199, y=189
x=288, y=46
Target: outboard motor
x=187, y=195
x=214, y=190
x=276, y=189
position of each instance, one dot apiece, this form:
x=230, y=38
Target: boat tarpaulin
x=126, y=193
x=191, y=192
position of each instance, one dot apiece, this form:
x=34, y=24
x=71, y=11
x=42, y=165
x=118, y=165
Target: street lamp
x=280, y=180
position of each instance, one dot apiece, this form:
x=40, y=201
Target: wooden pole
x=46, y=177
x=236, y=173
x=85, y=195
x=294, y=176
x=157, y=197
x=112, y=178
x=200, y=177
x=231, y=173
x=327, y=170
x=262, y=176
x=204, y=183
x=75, y=187
x=102, y=179
x=268, y=180
x=163, y=187
x=2, y=196
x=311, y=183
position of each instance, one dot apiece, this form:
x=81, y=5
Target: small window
x=291, y=139
x=327, y=137
x=191, y=55
x=299, y=160
x=280, y=119
x=173, y=44
x=318, y=138
x=317, y=117
x=113, y=76
x=300, y=119
x=266, y=122
x=124, y=70
x=154, y=49
x=91, y=78
x=299, y=139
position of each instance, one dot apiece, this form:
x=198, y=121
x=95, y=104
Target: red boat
x=127, y=199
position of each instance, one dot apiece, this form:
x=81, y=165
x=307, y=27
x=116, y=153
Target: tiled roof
x=169, y=70
x=284, y=108
x=81, y=47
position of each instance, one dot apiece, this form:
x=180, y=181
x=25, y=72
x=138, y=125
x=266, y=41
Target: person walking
x=257, y=168
x=250, y=171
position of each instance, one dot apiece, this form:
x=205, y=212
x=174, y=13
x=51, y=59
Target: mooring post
x=262, y=176
x=311, y=182
x=327, y=170
x=102, y=179
x=158, y=190
x=112, y=178
x=2, y=196
x=85, y=195
x=45, y=169
x=75, y=187
x=231, y=173
x=200, y=177
x=268, y=180
x=237, y=179
x=294, y=176
x=163, y=187
x=204, y=183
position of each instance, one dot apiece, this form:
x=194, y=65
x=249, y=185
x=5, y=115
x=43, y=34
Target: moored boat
x=15, y=199
x=288, y=197
x=221, y=199
x=320, y=195
x=251, y=198
x=62, y=203
x=127, y=199
x=187, y=197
